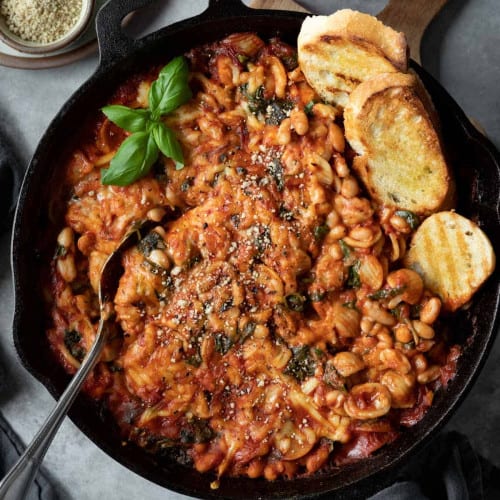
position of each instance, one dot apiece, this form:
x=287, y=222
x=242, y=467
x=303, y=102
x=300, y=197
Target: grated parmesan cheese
x=40, y=21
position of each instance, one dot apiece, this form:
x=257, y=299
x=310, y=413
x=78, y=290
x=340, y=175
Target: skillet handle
x=113, y=43
x=221, y=8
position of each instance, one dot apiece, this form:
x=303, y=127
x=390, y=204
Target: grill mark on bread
x=356, y=41
x=443, y=261
x=327, y=39
x=351, y=80
x=350, y=47
x=453, y=256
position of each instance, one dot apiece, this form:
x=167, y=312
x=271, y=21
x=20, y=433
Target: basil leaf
x=72, y=342
x=222, y=343
x=168, y=143
x=386, y=293
x=346, y=249
x=350, y=304
x=133, y=160
x=332, y=377
x=411, y=218
x=308, y=108
x=275, y=169
x=353, y=279
x=295, y=302
x=132, y=120
x=150, y=242
x=171, y=89
x=317, y=296
x=320, y=232
x=302, y=364
x=248, y=331
x=138, y=152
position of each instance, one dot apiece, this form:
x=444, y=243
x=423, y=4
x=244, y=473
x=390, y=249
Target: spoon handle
x=16, y=483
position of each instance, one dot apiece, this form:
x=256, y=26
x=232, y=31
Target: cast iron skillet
x=477, y=170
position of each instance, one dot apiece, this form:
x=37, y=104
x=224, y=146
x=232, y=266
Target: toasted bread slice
x=452, y=255
x=390, y=122
x=338, y=52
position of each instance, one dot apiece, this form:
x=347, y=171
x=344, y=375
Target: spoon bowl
x=16, y=483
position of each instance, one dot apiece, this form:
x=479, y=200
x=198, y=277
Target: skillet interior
x=476, y=164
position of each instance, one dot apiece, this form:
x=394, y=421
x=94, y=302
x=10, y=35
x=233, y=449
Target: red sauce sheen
x=265, y=327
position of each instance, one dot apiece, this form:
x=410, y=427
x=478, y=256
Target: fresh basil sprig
x=149, y=135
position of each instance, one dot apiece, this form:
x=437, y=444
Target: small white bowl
x=16, y=42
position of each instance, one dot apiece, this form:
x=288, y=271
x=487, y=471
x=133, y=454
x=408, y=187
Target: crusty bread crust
x=338, y=52
x=453, y=256
x=390, y=122
x=358, y=26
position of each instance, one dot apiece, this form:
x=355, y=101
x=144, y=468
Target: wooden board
x=412, y=18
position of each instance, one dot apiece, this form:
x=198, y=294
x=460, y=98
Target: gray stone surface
x=461, y=49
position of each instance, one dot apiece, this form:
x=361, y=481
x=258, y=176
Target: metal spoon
x=16, y=483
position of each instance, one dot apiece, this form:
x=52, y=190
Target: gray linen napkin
x=10, y=450
x=448, y=468
x=11, y=446
x=10, y=181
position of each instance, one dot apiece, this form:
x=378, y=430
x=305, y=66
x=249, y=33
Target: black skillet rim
x=375, y=471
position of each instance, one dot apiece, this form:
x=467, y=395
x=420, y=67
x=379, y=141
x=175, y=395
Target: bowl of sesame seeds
x=43, y=26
